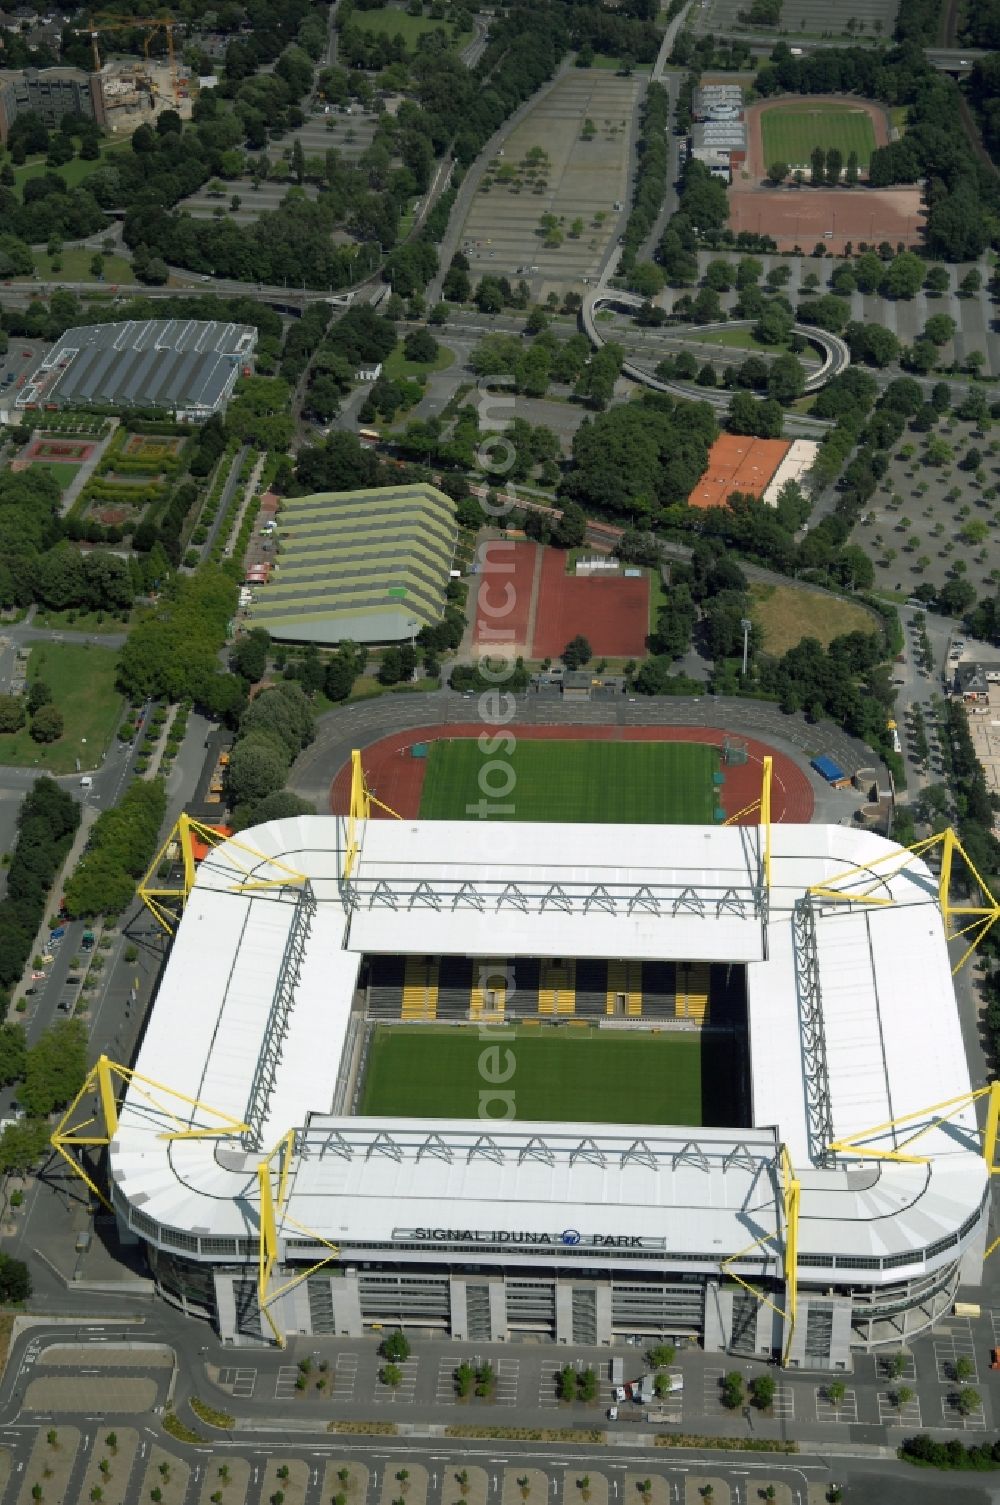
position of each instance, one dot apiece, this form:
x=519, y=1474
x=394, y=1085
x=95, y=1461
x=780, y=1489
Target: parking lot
x=21, y=357
x=804, y=18
x=567, y=161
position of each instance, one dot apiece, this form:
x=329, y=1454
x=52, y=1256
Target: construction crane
x=150, y=25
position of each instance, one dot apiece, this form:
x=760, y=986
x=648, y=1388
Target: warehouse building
x=366, y=566
x=187, y=367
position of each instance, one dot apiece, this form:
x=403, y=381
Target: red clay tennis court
x=738, y=463
x=397, y=778
x=611, y=613
x=503, y=600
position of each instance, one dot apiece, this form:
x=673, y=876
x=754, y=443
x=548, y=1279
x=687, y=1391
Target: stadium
x=573, y=1081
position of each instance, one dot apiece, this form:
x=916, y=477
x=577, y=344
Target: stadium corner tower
x=574, y=1082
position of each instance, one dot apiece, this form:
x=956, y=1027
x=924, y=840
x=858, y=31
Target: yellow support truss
x=165, y=901
x=859, y=1145
x=957, y=923
x=360, y=808
x=762, y=804
x=791, y=1193
x=104, y=1079
x=273, y=1210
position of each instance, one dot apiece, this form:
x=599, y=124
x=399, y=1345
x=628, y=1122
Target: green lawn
x=390, y=20
x=82, y=681
x=75, y=267
x=560, y=1074
x=658, y=783
x=63, y=471
x=791, y=132
x=396, y=364
x=72, y=173
x=90, y=622
x=789, y=613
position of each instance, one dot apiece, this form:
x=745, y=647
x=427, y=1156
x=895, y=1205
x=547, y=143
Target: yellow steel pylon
x=857, y=1145
x=104, y=1077
x=984, y=916
x=360, y=808
x=762, y=804
x=272, y=1211
x=791, y=1193
x=155, y=892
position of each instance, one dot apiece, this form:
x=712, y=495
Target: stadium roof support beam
x=762, y=804
x=791, y=1198
x=360, y=808
x=103, y=1078
x=165, y=901
x=984, y=915
x=272, y=1212
x=927, y=1118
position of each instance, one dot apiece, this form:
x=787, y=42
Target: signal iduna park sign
x=568, y=1238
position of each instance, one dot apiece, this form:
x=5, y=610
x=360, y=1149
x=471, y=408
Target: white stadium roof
x=875, y=1036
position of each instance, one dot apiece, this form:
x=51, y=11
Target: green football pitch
x=561, y=1075
x=659, y=783
x=790, y=135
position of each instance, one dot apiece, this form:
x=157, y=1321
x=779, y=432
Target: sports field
x=791, y=132
x=560, y=1075
x=655, y=783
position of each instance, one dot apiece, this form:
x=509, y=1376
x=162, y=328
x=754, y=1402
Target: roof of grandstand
x=280, y=965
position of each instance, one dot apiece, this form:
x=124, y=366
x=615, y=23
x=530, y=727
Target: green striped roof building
x=371, y=566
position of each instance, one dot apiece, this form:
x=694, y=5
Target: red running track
x=503, y=601
x=611, y=613
x=398, y=779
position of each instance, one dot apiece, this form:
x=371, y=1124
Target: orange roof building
x=738, y=463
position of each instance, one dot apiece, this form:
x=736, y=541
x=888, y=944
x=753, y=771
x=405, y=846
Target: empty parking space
x=953, y=1415
x=955, y=1353
x=892, y=1415
x=284, y=1385
x=239, y=1382
x=345, y=1375
x=397, y=1394
x=844, y=1410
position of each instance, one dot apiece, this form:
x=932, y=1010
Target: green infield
x=658, y=783
x=790, y=133
x=560, y=1075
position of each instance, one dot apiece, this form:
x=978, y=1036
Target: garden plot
x=547, y=206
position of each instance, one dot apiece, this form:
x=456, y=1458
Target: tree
x=420, y=345
x=971, y=282
x=937, y=280
x=12, y=713
x=391, y=1375
x=571, y=529
x=248, y=656
x=577, y=653
x=15, y=1282
x=818, y=163
x=964, y=1368
x=939, y=329
x=732, y=1390
x=851, y=176
x=396, y=1348
x=778, y=172
x=968, y=1400
x=762, y=1389
x=786, y=379
x=904, y=276
x=835, y=1392
x=901, y=1396
x=834, y=165
x=55, y=1068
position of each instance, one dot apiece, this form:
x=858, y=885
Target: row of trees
x=46, y=823
x=121, y=847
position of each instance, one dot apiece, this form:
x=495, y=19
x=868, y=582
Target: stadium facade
x=495, y=1228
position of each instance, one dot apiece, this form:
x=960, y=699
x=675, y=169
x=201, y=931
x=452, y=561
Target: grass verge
x=82, y=681
x=789, y=613
x=210, y=1416
x=396, y=364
